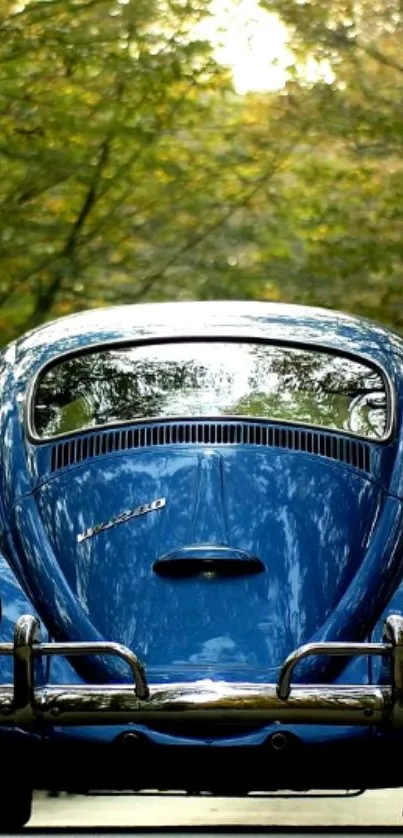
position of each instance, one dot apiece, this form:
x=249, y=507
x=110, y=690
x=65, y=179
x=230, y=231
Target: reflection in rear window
x=200, y=379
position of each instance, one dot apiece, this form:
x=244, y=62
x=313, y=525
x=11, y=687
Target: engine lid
x=296, y=527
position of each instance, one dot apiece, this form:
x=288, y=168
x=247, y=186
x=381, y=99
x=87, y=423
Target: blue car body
x=210, y=544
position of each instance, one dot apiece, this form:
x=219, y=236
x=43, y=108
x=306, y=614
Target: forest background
x=134, y=167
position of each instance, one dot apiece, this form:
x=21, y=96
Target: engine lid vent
x=354, y=452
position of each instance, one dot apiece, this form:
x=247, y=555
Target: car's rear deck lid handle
x=208, y=560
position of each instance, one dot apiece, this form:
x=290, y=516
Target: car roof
x=236, y=319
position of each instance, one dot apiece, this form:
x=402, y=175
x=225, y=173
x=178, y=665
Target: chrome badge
x=120, y=519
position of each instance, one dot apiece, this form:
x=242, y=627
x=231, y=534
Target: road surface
x=379, y=808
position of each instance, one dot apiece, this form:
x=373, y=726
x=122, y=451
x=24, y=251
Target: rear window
x=210, y=379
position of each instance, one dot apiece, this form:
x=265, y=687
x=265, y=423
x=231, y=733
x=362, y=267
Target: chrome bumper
x=25, y=705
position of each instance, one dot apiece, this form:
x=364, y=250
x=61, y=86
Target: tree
x=131, y=170
x=122, y=157
x=349, y=179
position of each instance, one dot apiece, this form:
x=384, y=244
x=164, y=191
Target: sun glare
x=251, y=42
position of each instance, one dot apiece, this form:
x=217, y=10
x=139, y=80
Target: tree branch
x=89, y=200
x=46, y=294
x=375, y=53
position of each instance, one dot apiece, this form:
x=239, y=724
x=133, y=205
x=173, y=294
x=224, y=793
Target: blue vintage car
x=201, y=510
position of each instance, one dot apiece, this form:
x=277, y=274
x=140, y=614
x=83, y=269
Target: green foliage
x=131, y=170
x=120, y=157
x=349, y=180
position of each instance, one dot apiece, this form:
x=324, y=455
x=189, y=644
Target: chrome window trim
x=356, y=357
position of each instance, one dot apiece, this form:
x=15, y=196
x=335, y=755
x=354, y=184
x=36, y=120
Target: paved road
x=380, y=808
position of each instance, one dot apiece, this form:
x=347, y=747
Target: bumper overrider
x=24, y=704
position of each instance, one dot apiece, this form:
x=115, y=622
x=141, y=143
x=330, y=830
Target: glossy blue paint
x=267, y=321
x=14, y=603
x=329, y=536
x=309, y=521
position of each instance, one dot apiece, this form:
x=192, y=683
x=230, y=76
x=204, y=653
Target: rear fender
x=14, y=602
